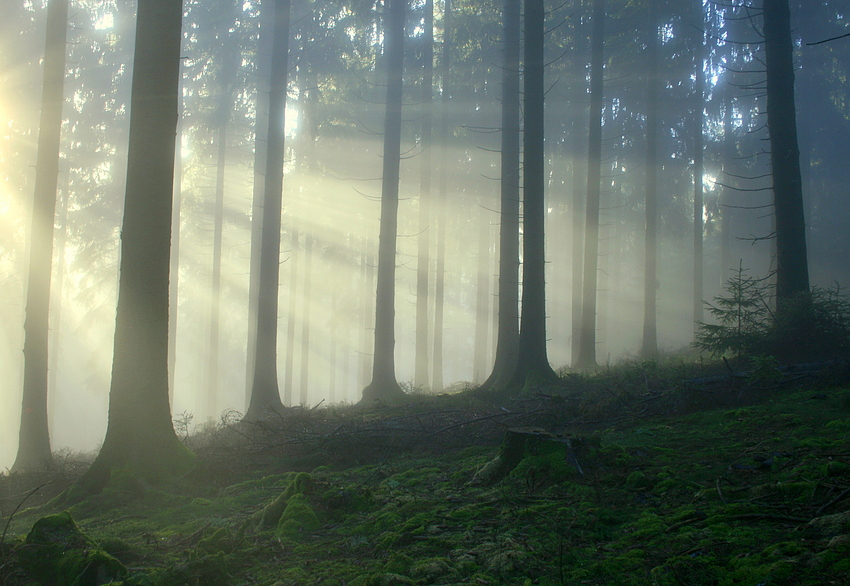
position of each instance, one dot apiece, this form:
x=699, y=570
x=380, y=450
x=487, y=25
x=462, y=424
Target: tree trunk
x=261, y=130
x=792, y=271
x=533, y=364
x=649, y=348
x=587, y=342
x=265, y=394
x=34, y=442
x=482, y=302
x=698, y=107
x=289, y=360
x=420, y=376
x=305, y=319
x=174, y=269
x=139, y=434
x=507, y=339
x=437, y=382
x=384, y=385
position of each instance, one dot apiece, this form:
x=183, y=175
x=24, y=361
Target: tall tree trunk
x=265, y=394
x=305, y=319
x=587, y=342
x=726, y=192
x=437, y=382
x=366, y=288
x=482, y=302
x=261, y=129
x=649, y=348
x=507, y=338
x=420, y=376
x=139, y=435
x=579, y=175
x=289, y=360
x=34, y=435
x=792, y=270
x=533, y=366
x=211, y=390
x=57, y=287
x=698, y=107
x=384, y=385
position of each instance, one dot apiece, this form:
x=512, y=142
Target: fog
x=332, y=190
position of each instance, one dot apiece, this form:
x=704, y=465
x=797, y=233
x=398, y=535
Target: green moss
x=57, y=553
x=298, y=518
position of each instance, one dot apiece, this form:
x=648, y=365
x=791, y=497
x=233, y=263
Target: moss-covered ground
x=737, y=482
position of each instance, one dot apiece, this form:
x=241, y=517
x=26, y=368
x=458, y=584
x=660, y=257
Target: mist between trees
x=709, y=82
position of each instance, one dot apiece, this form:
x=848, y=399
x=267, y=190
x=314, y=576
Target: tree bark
x=649, y=348
x=437, y=382
x=34, y=435
x=698, y=107
x=420, y=376
x=305, y=319
x=139, y=434
x=384, y=385
x=265, y=394
x=533, y=366
x=792, y=271
x=507, y=337
x=587, y=342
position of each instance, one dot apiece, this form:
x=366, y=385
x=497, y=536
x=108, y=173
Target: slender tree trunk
x=384, y=385
x=265, y=394
x=579, y=174
x=139, y=434
x=211, y=390
x=34, y=442
x=57, y=287
x=289, y=360
x=649, y=348
x=420, y=377
x=533, y=366
x=366, y=288
x=587, y=342
x=437, y=382
x=482, y=302
x=699, y=105
x=305, y=319
x=507, y=337
x=792, y=271
x=332, y=350
x=726, y=193
x=261, y=129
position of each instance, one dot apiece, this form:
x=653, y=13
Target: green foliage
x=813, y=325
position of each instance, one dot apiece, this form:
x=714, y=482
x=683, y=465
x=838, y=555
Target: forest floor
x=673, y=474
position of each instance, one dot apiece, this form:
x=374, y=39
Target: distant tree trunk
x=366, y=288
x=420, y=376
x=139, y=434
x=792, y=271
x=34, y=442
x=533, y=364
x=57, y=287
x=482, y=303
x=265, y=394
x=587, y=342
x=384, y=385
x=579, y=173
x=649, y=348
x=698, y=107
x=332, y=349
x=726, y=192
x=507, y=337
x=305, y=319
x=261, y=129
x=437, y=382
x=289, y=360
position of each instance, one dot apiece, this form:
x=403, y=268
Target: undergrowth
x=693, y=476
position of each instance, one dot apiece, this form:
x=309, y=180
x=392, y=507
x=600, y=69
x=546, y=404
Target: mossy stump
x=576, y=451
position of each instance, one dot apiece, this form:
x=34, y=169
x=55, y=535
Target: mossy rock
x=57, y=553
